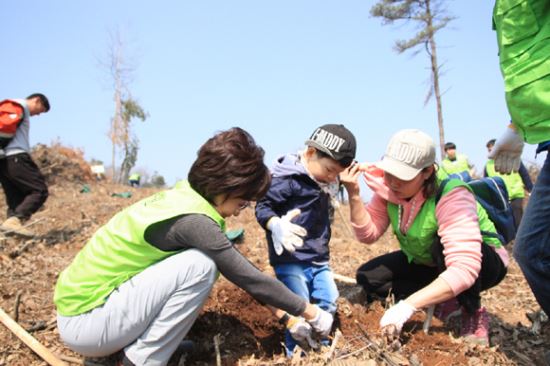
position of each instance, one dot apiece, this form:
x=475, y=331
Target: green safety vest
x=118, y=250
x=523, y=35
x=417, y=242
x=513, y=181
x=459, y=165
x=134, y=176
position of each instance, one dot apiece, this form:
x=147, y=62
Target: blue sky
x=277, y=69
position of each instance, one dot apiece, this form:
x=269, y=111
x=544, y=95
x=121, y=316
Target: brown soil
x=248, y=334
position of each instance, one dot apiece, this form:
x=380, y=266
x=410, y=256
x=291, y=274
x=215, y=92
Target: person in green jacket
x=134, y=179
x=458, y=164
x=516, y=183
x=140, y=282
x=523, y=37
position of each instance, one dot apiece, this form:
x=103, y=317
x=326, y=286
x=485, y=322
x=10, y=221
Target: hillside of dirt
x=245, y=332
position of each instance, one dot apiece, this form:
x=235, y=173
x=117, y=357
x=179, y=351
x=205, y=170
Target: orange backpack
x=11, y=115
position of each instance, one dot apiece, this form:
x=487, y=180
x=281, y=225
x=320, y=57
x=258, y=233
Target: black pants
x=24, y=185
x=517, y=209
x=393, y=272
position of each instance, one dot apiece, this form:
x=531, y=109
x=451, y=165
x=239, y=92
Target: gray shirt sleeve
x=202, y=233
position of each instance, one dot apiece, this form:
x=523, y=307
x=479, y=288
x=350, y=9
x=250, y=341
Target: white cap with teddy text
x=408, y=152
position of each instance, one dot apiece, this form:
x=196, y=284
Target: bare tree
x=121, y=73
x=429, y=16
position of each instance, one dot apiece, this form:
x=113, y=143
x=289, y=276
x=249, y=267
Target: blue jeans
x=532, y=247
x=311, y=282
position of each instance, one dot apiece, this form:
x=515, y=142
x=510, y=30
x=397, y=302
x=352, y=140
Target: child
x=299, y=191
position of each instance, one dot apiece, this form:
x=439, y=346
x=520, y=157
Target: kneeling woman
x=443, y=258
x=142, y=279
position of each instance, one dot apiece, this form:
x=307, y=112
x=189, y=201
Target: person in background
x=134, y=179
x=443, y=258
x=295, y=214
x=140, y=282
x=523, y=33
x=516, y=183
x=24, y=185
x=458, y=164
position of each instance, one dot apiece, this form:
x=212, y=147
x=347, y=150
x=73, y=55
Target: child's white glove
x=507, y=152
x=397, y=315
x=286, y=234
x=322, y=323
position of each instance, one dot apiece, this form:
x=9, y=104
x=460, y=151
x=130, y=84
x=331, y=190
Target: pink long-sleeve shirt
x=456, y=214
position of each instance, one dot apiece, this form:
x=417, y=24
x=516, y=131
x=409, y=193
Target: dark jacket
x=292, y=187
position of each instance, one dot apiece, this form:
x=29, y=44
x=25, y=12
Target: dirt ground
x=246, y=332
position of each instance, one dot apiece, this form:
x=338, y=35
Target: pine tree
x=429, y=17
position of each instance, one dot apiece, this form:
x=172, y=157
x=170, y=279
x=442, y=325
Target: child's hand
x=286, y=234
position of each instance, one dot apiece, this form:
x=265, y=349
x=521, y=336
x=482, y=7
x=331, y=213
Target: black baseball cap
x=336, y=141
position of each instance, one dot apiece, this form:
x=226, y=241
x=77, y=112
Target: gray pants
x=148, y=315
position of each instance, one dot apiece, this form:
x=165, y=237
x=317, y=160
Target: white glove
x=286, y=234
x=301, y=331
x=322, y=323
x=397, y=315
x=507, y=152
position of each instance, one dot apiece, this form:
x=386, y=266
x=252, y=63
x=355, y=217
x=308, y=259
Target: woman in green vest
x=443, y=258
x=141, y=280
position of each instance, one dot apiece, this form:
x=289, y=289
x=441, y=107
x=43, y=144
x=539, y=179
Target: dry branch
x=330, y=353
x=16, y=306
x=217, y=348
x=30, y=341
x=344, y=279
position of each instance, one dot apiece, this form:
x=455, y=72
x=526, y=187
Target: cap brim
x=319, y=147
x=397, y=168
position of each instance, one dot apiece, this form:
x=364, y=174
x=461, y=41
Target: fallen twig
x=344, y=279
x=30, y=341
x=16, y=306
x=17, y=252
x=330, y=353
x=217, y=349
x=39, y=325
x=376, y=348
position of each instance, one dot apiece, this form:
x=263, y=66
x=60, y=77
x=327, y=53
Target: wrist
x=410, y=304
x=271, y=222
x=284, y=320
x=310, y=313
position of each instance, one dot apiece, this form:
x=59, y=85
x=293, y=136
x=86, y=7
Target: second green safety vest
x=523, y=35
x=417, y=242
x=459, y=165
x=118, y=250
x=513, y=181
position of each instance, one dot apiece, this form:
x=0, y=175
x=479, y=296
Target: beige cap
x=408, y=152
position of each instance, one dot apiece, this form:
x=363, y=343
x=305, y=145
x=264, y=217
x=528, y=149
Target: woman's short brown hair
x=230, y=163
